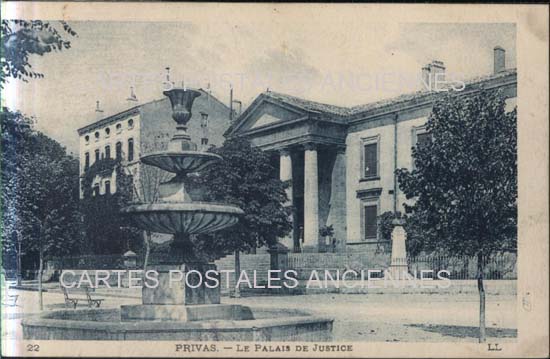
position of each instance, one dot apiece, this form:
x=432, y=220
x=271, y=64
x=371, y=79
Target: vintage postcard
x=274, y=180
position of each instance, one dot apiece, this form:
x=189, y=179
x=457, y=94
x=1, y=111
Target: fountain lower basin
x=191, y=218
x=239, y=323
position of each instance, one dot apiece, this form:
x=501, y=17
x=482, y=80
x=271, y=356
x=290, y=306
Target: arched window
x=87, y=139
x=118, y=128
x=86, y=161
x=107, y=151
x=130, y=124
x=96, y=135
x=130, y=150
x=96, y=190
x=96, y=155
x=118, y=150
x=107, y=132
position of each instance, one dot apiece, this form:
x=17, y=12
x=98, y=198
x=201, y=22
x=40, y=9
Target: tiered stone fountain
x=181, y=211
x=189, y=311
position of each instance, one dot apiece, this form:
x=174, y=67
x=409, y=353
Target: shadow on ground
x=465, y=332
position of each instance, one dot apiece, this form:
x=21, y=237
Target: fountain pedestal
x=176, y=294
x=187, y=284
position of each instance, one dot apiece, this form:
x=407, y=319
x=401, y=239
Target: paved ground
x=405, y=317
x=358, y=317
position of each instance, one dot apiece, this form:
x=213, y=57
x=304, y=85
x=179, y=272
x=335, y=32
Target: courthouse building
x=340, y=161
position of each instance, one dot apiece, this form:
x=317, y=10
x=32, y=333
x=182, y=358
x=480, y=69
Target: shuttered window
x=130, y=150
x=118, y=149
x=370, y=214
x=86, y=161
x=370, y=157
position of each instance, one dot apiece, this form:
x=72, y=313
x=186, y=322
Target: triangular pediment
x=264, y=113
x=264, y=120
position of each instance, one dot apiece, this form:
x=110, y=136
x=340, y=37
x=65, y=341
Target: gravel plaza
x=377, y=317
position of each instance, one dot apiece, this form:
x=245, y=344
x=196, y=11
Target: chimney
x=240, y=107
x=426, y=76
x=499, y=59
x=437, y=67
x=98, y=111
x=132, y=99
x=433, y=75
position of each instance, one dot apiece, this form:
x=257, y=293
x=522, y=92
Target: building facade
x=146, y=128
x=341, y=161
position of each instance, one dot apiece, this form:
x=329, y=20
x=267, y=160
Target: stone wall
x=304, y=263
x=249, y=262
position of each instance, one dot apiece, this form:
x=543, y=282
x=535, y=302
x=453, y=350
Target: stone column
x=398, y=267
x=338, y=200
x=311, y=200
x=285, y=174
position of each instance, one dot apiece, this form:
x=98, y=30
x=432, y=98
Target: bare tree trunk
x=19, y=269
x=41, y=264
x=40, y=270
x=147, y=236
x=481, y=290
x=237, y=273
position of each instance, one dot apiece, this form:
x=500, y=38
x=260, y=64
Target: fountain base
x=267, y=324
x=183, y=313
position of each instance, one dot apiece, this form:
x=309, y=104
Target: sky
x=342, y=63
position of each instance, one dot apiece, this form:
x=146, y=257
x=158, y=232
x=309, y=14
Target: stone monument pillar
x=398, y=267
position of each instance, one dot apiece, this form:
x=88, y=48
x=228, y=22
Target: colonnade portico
x=310, y=241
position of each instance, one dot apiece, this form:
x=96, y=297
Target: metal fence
x=499, y=266
x=106, y=261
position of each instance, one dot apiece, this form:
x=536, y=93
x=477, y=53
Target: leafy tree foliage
x=465, y=180
x=21, y=38
x=106, y=230
x=248, y=179
x=39, y=192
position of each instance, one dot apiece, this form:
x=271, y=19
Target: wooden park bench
x=8, y=298
x=74, y=295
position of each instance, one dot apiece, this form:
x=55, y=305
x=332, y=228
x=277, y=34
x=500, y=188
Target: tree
x=146, y=190
x=16, y=129
x=39, y=194
x=21, y=38
x=246, y=178
x=107, y=231
x=465, y=181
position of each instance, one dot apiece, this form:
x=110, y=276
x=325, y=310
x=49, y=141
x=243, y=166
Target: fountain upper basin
x=190, y=218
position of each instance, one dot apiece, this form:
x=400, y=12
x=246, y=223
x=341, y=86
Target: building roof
x=346, y=114
x=425, y=93
x=128, y=112
x=308, y=105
